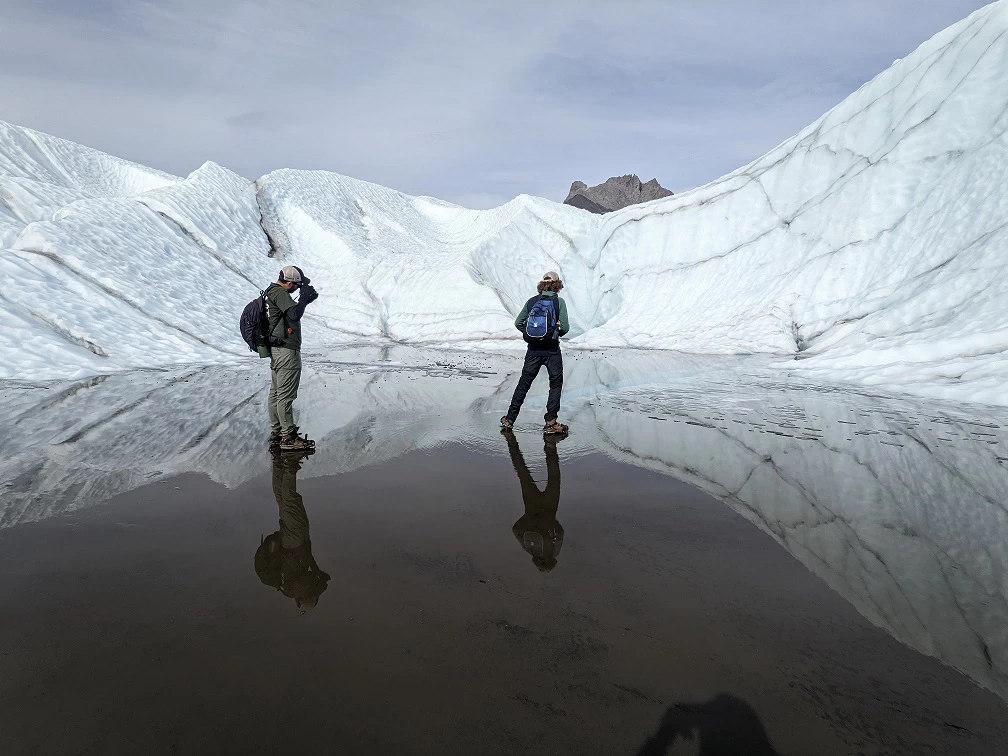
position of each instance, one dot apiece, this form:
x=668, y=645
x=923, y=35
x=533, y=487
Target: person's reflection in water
x=284, y=559
x=537, y=530
x=724, y=726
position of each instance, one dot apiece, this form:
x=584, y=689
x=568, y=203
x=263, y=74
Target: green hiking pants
x=285, y=368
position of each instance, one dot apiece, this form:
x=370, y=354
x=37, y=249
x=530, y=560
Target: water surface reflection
x=899, y=504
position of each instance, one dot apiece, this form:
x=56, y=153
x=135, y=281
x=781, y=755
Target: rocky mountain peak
x=614, y=193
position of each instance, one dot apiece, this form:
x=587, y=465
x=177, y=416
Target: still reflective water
x=716, y=554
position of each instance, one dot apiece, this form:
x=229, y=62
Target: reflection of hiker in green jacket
x=284, y=559
x=537, y=530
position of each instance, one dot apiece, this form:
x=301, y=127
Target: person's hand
x=309, y=293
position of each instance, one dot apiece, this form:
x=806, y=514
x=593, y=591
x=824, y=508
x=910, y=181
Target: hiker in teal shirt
x=542, y=321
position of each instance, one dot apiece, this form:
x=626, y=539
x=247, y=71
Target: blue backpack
x=543, y=322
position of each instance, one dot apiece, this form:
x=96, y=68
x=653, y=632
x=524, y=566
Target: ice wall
x=870, y=243
x=112, y=265
x=869, y=246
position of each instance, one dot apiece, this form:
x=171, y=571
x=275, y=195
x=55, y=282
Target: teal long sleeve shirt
x=564, y=324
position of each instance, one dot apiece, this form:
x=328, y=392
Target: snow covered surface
x=897, y=503
x=870, y=245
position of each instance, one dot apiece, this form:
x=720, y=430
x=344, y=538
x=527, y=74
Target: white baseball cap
x=294, y=274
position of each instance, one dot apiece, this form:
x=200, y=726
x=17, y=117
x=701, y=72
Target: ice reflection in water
x=898, y=504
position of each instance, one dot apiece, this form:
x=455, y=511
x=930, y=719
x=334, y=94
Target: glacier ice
x=869, y=246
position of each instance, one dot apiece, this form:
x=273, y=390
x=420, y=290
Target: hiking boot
x=553, y=428
x=277, y=436
x=291, y=459
x=294, y=442
x=506, y=423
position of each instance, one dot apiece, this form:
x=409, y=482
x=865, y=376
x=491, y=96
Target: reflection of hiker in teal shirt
x=537, y=530
x=284, y=559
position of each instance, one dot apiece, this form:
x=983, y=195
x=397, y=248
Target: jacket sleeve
x=295, y=312
x=522, y=317
x=564, y=325
x=292, y=310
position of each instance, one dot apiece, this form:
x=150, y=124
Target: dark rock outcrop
x=617, y=192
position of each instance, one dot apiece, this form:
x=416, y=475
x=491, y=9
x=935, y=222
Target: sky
x=471, y=101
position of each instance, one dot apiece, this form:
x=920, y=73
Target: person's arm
x=564, y=325
x=294, y=313
x=522, y=317
x=552, y=492
x=308, y=295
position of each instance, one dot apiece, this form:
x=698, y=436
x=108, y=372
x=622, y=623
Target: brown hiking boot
x=294, y=442
x=277, y=436
x=506, y=424
x=553, y=428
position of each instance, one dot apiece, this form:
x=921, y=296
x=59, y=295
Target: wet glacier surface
x=733, y=552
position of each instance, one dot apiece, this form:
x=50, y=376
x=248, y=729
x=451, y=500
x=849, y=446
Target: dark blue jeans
x=534, y=360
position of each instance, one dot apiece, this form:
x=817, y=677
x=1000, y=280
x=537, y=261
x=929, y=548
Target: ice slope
x=869, y=245
x=39, y=174
x=871, y=242
x=114, y=265
x=898, y=504
x=418, y=269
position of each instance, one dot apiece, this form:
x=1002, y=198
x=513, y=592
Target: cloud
x=472, y=102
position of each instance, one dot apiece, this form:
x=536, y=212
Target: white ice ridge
x=869, y=245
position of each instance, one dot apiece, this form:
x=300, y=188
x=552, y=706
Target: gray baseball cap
x=551, y=276
x=294, y=274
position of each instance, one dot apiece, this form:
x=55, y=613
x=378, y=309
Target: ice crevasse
x=870, y=246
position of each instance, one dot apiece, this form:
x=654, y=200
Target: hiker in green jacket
x=543, y=350
x=284, y=316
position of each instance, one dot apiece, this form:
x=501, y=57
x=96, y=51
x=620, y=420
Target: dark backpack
x=254, y=325
x=543, y=320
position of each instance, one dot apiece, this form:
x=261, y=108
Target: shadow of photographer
x=723, y=726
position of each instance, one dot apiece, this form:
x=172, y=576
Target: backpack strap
x=283, y=314
x=528, y=311
x=530, y=304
